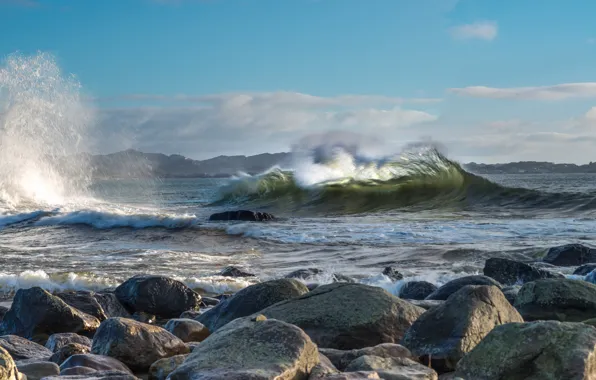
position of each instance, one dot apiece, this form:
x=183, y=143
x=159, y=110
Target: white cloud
x=591, y=114
x=482, y=30
x=554, y=92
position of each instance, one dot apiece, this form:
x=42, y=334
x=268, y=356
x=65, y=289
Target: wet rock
x=252, y=348
x=208, y=301
x=3, y=311
x=426, y=304
x=341, y=359
x=557, y=299
x=37, y=313
x=550, y=350
x=312, y=273
x=158, y=295
x=511, y=272
x=348, y=316
x=250, y=300
x=416, y=290
x=511, y=292
x=8, y=368
x=570, y=255
x=22, y=349
x=39, y=370
x=234, y=272
x=97, y=375
x=57, y=341
x=65, y=352
x=242, y=215
x=136, y=344
x=393, y=273
x=454, y=285
x=585, y=269
x=392, y=368
x=95, y=362
x=446, y=333
x=188, y=330
x=83, y=301
x=162, y=368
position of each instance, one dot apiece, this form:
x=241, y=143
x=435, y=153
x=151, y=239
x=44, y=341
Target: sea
x=337, y=209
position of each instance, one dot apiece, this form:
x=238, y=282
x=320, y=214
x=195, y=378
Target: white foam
x=10, y=282
x=218, y=284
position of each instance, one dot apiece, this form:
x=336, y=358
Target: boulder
x=158, y=295
x=361, y=375
x=97, y=375
x=188, y=330
x=65, y=352
x=392, y=368
x=252, y=348
x=323, y=369
x=77, y=371
x=444, y=334
x=511, y=272
x=511, y=292
x=250, y=300
x=190, y=314
x=136, y=344
x=8, y=368
x=557, y=299
x=141, y=316
x=341, y=359
x=570, y=255
x=95, y=362
x=416, y=290
x=550, y=350
x=311, y=273
x=39, y=370
x=110, y=305
x=234, y=272
x=585, y=269
x=35, y=313
x=57, y=341
x=23, y=349
x=393, y=273
x=242, y=215
x=454, y=285
x=83, y=301
x=209, y=301
x=3, y=311
x=426, y=304
x=161, y=369
x=347, y=316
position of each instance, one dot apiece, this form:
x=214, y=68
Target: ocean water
x=339, y=208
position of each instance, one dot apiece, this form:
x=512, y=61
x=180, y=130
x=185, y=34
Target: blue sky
x=492, y=80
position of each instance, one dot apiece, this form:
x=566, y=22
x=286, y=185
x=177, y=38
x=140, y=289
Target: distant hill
x=529, y=167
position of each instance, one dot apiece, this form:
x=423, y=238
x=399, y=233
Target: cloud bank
x=555, y=92
x=482, y=30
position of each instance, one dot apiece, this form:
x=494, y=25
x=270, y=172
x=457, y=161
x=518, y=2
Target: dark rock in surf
x=250, y=300
x=416, y=290
x=242, y=215
x=57, y=341
x=188, y=330
x=39, y=370
x=95, y=362
x=234, y=272
x=158, y=295
x=311, y=273
x=562, y=300
x=110, y=305
x=453, y=286
x=36, y=314
x=570, y=255
x=444, y=334
x=347, y=316
x=85, y=302
x=393, y=273
x=23, y=349
x=511, y=272
x=585, y=269
x=69, y=350
x=342, y=358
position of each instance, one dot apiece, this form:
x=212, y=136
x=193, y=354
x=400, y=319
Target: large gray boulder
x=8, y=368
x=65, y=352
x=188, y=330
x=511, y=272
x=342, y=358
x=38, y=370
x=444, y=334
x=393, y=368
x=136, y=344
x=251, y=348
x=24, y=349
x=536, y=350
x=157, y=295
x=570, y=255
x=35, y=313
x=454, y=285
x=585, y=269
x=57, y=341
x=348, y=316
x=96, y=362
x=250, y=300
x=83, y=301
x=557, y=299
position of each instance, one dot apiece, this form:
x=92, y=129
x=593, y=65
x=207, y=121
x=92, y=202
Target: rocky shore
x=519, y=320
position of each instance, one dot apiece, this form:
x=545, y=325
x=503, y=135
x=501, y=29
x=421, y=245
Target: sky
x=492, y=81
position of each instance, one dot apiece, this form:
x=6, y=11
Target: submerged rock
x=161, y=369
x=252, y=348
x=550, y=350
x=511, y=272
x=8, y=368
x=95, y=362
x=242, y=215
x=454, y=285
x=35, y=313
x=312, y=273
x=392, y=368
x=57, y=341
x=23, y=349
x=188, y=330
x=444, y=334
x=416, y=290
x=342, y=358
x=557, y=299
x=69, y=350
x=250, y=300
x=347, y=316
x=393, y=273
x=585, y=269
x=136, y=344
x=570, y=255
x=39, y=370
x=234, y=272
x=158, y=295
